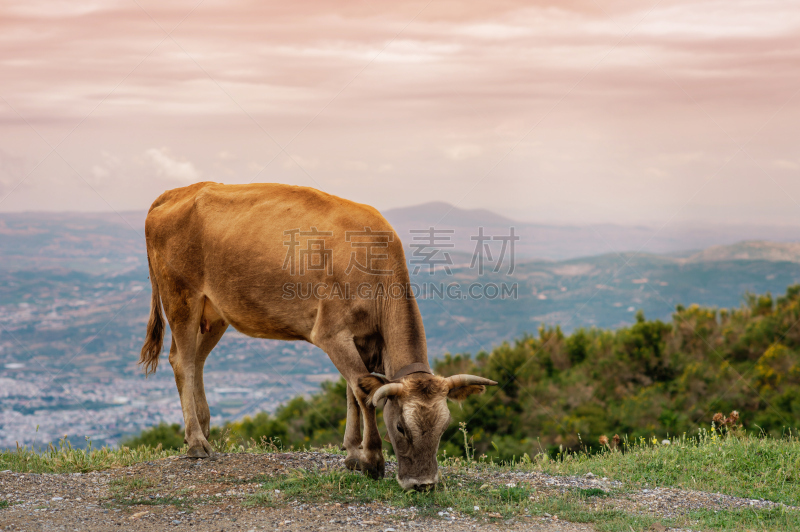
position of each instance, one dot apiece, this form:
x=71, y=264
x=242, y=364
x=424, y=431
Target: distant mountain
x=753, y=250
x=87, y=242
x=114, y=242
x=441, y=213
x=563, y=242
x=603, y=291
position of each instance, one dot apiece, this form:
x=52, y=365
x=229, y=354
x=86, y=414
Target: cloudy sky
x=572, y=111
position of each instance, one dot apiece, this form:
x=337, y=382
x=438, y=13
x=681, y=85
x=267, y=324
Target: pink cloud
x=591, y=105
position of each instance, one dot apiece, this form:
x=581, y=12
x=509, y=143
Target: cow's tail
x=153, y=344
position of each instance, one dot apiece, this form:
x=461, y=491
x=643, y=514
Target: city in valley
x=68, y=364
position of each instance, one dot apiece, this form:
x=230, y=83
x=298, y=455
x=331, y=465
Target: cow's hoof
x=375, y=472
x=197, y=452
x=352, y=463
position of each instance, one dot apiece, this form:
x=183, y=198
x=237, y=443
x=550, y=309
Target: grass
x=740, y=464
x=468, y=497
x=122, y=485
x=777, y=519
x=63, y=458
x=4, y=504
x=503, y=502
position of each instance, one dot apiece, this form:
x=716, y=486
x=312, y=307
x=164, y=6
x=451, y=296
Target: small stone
x=176, y=522
x=590, y=475
x=476, y=508
x=57, y=499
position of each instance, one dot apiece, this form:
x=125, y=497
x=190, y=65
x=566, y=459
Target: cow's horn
x=387, y=390
x=457, y=381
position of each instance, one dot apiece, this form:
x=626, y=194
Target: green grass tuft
x=592, y=492
x=63, y=458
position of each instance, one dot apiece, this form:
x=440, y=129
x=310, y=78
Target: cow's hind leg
x=206, y=341
x=184, y=320
x=352, y=432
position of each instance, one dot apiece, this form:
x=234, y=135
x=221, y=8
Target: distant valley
x=74, y=300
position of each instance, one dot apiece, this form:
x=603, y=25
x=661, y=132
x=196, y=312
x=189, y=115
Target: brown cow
x=224, y=255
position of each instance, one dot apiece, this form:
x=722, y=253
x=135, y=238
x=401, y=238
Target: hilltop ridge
x=750, y=250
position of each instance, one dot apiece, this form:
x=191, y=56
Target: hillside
x=109, y=242
x=564, y=242
x=752, y=250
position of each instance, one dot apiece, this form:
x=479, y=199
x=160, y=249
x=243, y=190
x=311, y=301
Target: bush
x=170, y=437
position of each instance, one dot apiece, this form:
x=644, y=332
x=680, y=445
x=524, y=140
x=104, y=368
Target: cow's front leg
x=352, y=432
x=372, y=461
x=364, y=453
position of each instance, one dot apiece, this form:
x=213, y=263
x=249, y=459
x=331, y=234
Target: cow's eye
x=400, y=429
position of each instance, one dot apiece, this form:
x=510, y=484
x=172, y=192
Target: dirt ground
x=216, y=490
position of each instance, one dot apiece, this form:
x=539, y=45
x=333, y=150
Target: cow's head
x=416, y=416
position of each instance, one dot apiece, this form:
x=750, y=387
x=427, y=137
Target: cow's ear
x=369, y=384
x=462, y=392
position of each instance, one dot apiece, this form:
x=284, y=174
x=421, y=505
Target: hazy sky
x=569, y=111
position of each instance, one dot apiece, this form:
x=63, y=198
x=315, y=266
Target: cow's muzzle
x=416, y=484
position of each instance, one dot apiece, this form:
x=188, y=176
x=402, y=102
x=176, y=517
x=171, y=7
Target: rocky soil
x=210, y=495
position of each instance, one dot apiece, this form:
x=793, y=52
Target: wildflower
x=616, y=440
x=665, y=442
x=733, y=418
x=603, y=440
x=718, y=418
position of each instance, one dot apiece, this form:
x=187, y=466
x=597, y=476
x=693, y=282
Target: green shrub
x=170, y=437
